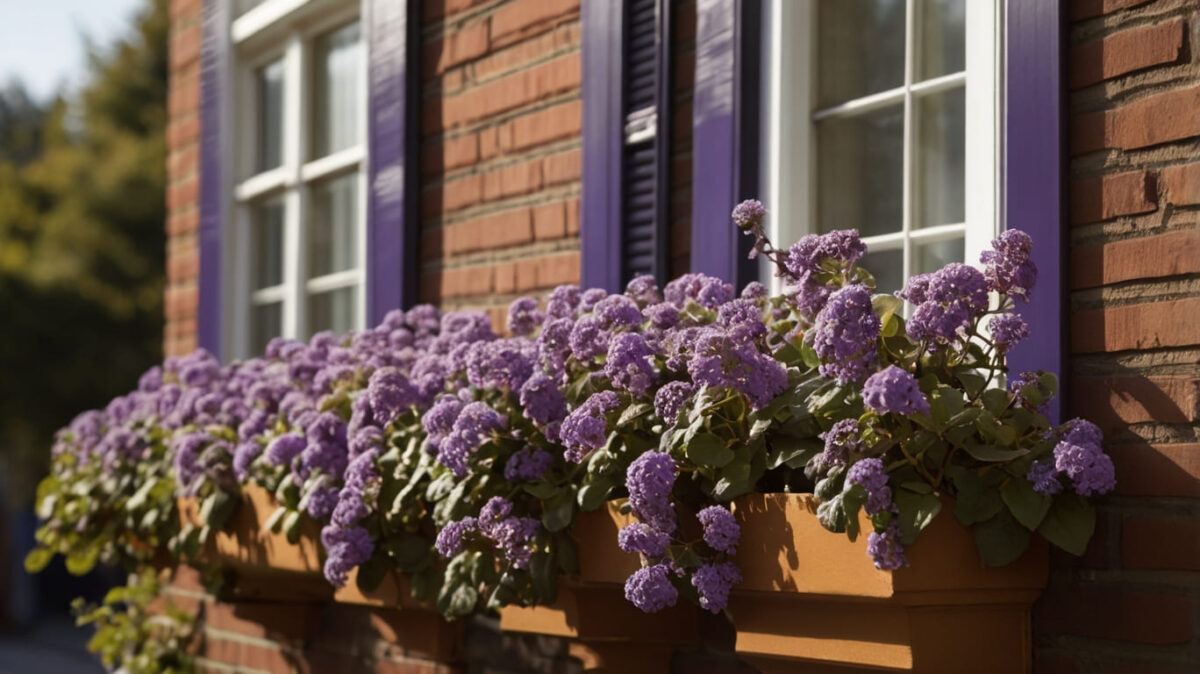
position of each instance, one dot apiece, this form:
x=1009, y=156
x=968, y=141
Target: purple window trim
x=724, y=134
x=214, y=82
x=603, y=128
x=1033, y=175
x=393, y=41
x=392, y=232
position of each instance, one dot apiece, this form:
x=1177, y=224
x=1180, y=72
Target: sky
x=41, y=41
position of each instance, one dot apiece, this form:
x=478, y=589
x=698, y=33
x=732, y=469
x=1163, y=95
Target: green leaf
x=706, y=449
x=593, y=494
x=788, y=354
x=972, y=382
x=995, y=400
x=275, y=521
x=559, y=511
x=808, y=356
x=964, y=417
x=292, y=526
x=916, y=512
x=975, y=501
x=541, y=489
x=886, y=306
x=853, y=498
x=832, y=514
x=371, y=573
x=990, y=453
x=543, y=567
x=632, y=412
x=37, y=559
x=1001, y=540
x=1069, y=523
x=81, y=561
x=1026, y=504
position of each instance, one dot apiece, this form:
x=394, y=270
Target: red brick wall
x=1132, y=603
x=183, y=182
x=500, y=153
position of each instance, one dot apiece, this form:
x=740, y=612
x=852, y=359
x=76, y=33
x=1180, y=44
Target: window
x=298, y=227
x=881, y=116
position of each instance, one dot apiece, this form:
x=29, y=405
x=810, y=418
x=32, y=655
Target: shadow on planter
x=812, y=595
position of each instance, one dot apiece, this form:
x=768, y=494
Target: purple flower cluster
x=749, y=214
x=719, y=358
x=886, y=549
x=585, y=428
x=650, y=479
x=845, y=335
x=721, y=530
x=893, y=390
x=527, y=464
x=650, y=588
x=1079, y=457
x=842, y=441
x=1007, y=266
x=947, y=300
x=870, y=475
x=475, y=424
x=819, y=262
x=629, y=364
x=643, y=539
x=713, y=582
x=1007, y=330
x=672, y=398
x=524, y=317
x=344, y=550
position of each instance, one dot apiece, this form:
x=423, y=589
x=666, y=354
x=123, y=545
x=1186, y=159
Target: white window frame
x=788, y=119
x=287, y=30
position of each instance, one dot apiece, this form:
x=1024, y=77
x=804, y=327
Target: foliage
x=133, y=634
x=82, y=188
x=432, y=447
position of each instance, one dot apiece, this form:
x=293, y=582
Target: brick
x=432, y=11
x=563, y=167
x=185, y=46
x=506, y=278
x=263, y=620
x=461, y=44
x=490, y=232
x=183, y=222
x=1117, y=613
x=518, y=17
x=544, y=126
x=460, y=282
x=1181, y=184
x=247, y=655
x=183, y=193
x=181, y=301
x=1116, y=402
x=525, y=52
x=1125, y=52
x=513, y=180
x=183, y=265
x=454, y=153
x=1107, y=197
x=573, y=217
x=1142, y=258
x=1160, y=543
x=1157, y=470
x=184, y=9
x=1138, y=326
x=1086, y=9
x=458, y=194
x=549, y=222
x=1153, y=120
x=504, y=94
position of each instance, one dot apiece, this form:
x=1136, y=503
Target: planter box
x=812, y=595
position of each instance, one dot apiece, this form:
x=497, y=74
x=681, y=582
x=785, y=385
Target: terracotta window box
x=807, y=596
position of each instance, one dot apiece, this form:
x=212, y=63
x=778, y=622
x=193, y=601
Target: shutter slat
x=640, y=207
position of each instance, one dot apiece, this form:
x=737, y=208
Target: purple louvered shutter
x=626, y=87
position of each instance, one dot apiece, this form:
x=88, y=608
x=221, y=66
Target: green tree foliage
x=82, y=184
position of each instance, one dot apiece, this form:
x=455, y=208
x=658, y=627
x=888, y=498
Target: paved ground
x=51, y=647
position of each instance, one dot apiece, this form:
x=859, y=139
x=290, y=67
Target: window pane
x=336, y=98
x=332, y=310
x=333, y=226
x=270, y=117
x=887, y=266
x=860, y=48
x=941, y=158
x=933, y=256
x=266, y=252
x=860, y=172
x=942, y=38
x=266, y=322
x=244, y=6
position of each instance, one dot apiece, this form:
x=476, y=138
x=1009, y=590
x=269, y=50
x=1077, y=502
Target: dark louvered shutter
x=645, y=138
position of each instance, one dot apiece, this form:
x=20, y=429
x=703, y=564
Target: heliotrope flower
x=641, y=538
x=629, y=363
x=1007, y=330
x=845, y=335
x=870, y=475
x=1007, y=266
x=721, y=530
x=524, y=317
x=650, y=588
x=894, y=390
x=713, y=582
x=886, y=549
x=650, y=479
x=585, y=428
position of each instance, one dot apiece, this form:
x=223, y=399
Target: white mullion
x=293, y=237
x=889, y=241
x=858, y=106
x=909, y=140
x=335, y=281
x=262, y=183
x=982, y=136
x=363, y=185
x=939, y=84
x=239, y=332
x=938, y=233
x=269, y=295
x=332, y=163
